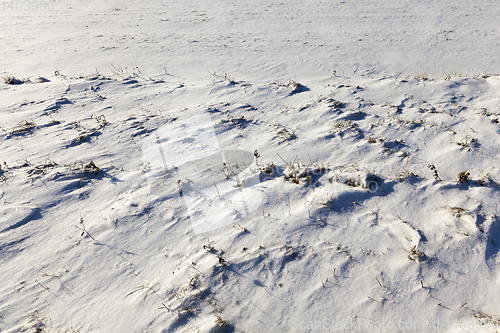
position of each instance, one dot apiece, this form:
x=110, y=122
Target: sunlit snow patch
x=218, y=186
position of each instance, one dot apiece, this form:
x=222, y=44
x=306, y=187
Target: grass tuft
x=14, y=80
x=24, y=126
x=89, y=168
x=468, y=143
x=463, y=177
x=415, y=255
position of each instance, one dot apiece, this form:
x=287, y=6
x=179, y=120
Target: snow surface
x=250, y=166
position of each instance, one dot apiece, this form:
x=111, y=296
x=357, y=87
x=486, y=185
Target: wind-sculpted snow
x=249, y=166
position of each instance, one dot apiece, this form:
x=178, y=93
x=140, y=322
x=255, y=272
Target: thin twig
x=400, y=73
x=283, y=159
x=218, y=193
x=83, y=229
x=44, y=287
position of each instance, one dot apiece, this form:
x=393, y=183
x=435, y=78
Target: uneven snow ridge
x=375, y=203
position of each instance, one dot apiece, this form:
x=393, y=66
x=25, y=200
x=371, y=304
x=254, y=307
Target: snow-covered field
x=249, y=166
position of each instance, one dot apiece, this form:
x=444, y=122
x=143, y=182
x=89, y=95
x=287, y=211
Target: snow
x=249, y=166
